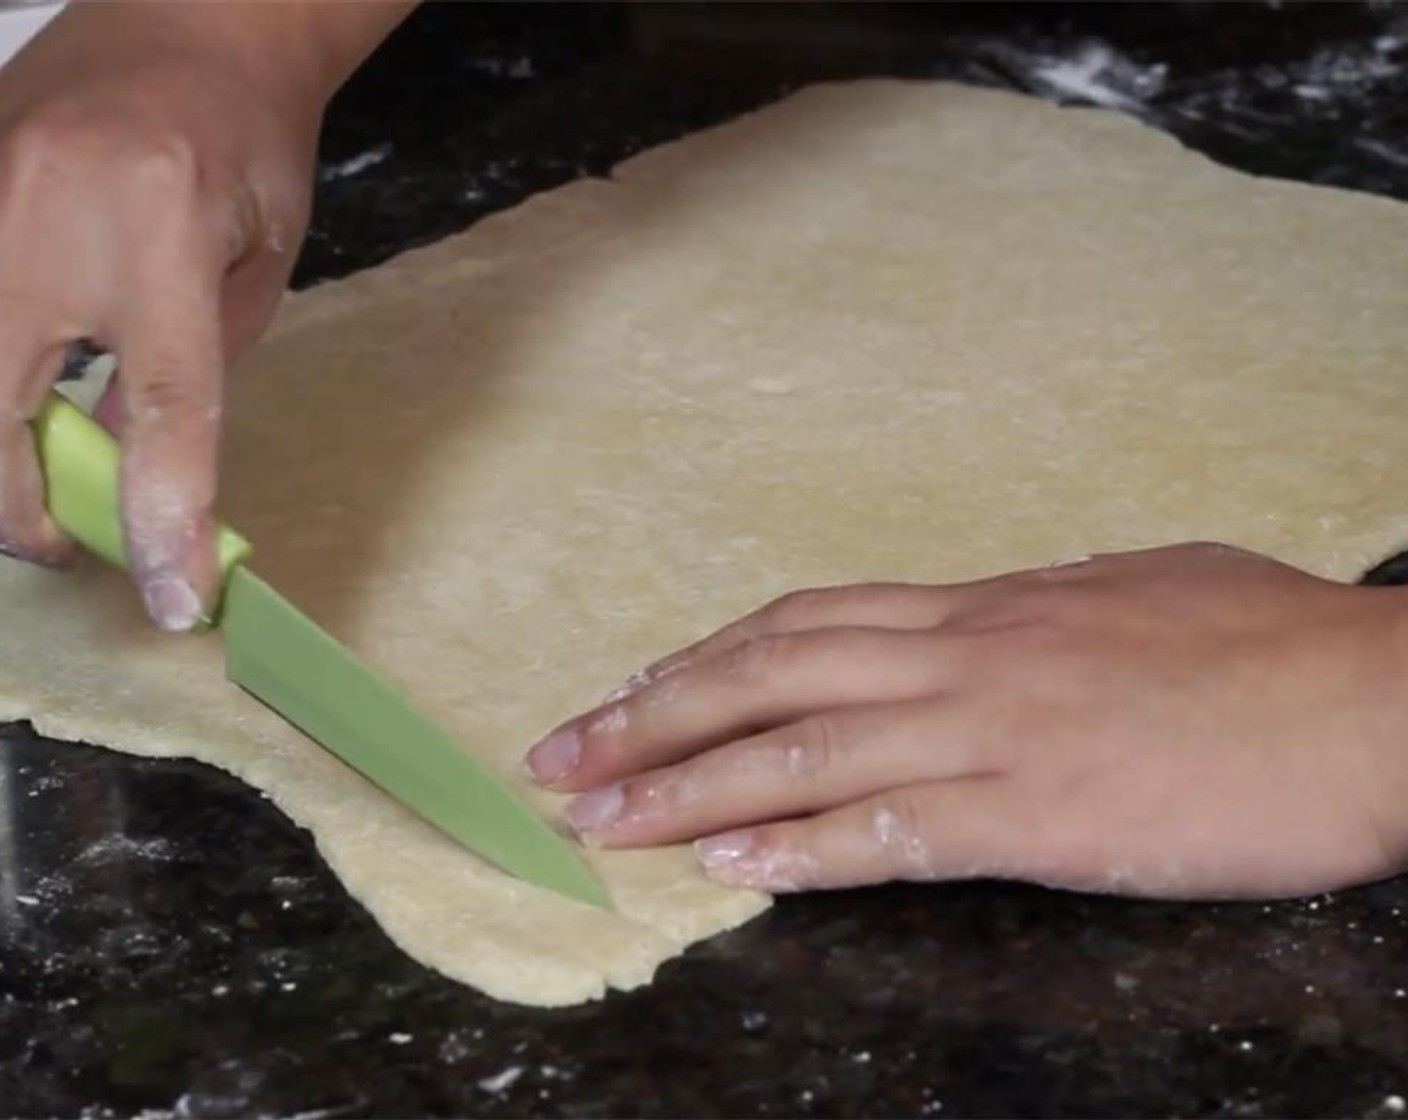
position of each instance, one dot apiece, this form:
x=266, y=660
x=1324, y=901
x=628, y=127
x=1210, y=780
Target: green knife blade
x=288, y=662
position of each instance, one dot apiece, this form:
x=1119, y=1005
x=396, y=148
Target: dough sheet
x=880, y=330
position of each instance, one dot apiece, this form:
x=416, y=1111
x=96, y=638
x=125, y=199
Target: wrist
x=300, y=50
x=295, y=54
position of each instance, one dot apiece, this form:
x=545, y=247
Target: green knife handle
x=79, y=458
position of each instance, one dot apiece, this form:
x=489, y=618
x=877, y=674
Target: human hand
x=155, y=181
x=1186, y=722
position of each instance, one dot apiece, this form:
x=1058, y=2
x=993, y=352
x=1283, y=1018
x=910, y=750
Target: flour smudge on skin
x=905, y=847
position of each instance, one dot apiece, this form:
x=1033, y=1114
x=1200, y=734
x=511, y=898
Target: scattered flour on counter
x=518, y=68
x=1101, y=76
x=1350, y=69
x=453, y=1048
x=345, y=169
x=1383, y=150
x=44, y=784
x=502, y=1081
x=118, y=847
x=1335, y=84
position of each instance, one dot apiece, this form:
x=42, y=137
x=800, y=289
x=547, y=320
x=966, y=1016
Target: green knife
x=275, y=652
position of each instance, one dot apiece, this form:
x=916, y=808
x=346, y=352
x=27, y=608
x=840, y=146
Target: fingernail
x=723, y=850
x=49, y=547
x=594, y=811
x=172, y=602
x=555, y=757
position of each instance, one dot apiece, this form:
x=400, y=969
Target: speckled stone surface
x=170, y=945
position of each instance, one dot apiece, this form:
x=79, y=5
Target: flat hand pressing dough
x=879, y=331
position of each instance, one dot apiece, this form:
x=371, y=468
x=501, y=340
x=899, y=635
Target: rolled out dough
x=881, y=330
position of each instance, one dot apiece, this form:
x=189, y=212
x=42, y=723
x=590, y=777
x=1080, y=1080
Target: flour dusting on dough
x=1014, y=332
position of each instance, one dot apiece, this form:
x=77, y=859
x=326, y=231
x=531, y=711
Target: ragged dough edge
x=560, y=217
x=560, y=983
x=554, y=977
x=368, y=840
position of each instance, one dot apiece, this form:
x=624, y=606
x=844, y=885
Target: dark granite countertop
x=170, y=945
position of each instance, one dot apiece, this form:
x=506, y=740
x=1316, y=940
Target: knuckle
x=18, y=539
x=38, y=156
x=795, y=609
x=1043, y=637
x=783, y=858
x=1019, y=644
x=1007, y=603
x=760, y=658
x=1214, y=550
x=245, y=227
x=164, y=393
x=59, y=141
x=44, y=139
x=1049, y=670
x=898, y=830
x=608, y=744
x=813, y=747
x=25, y=532
x=607, y=727
x=167, y=165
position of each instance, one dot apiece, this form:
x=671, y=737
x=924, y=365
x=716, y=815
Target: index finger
x=890, y=606
x=171, y=367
